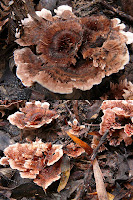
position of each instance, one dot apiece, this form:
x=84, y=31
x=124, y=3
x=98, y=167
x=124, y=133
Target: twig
x=88, y=102
x=107, y=6
x=97, y=125
x=116, y=11
x=75, y=109
x=63, y=103
x=95, y=151
x=6, y=188
x=87, y=5
x=72, y=115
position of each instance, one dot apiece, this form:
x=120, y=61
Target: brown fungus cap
x=39, y=161
x=35, y=161
x=73, y=150
x=71, y=52
x=117, y=119
x=33, y=115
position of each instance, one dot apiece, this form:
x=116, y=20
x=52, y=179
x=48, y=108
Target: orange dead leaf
x=94, y=133
x=93, y=193
x=84, y=145
x=110, y=196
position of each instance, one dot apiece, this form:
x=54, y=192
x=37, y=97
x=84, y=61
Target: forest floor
x=12, y=88
x=115, y=162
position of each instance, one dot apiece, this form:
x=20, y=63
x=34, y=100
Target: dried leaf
x=2, y=113
x=110, y=196
x=100, y=187
x=65, y=173
x=94, y=116
x=84, y=145
x=93, y=193
x=93, y=133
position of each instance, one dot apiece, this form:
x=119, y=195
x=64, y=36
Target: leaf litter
x=82, y=177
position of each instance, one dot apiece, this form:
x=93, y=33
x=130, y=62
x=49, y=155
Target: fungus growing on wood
x=70, y=52
x=35, y=161
x=39, y=161
x=117, y=119
x=33, y=115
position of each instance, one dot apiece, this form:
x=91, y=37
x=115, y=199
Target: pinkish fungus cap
x=73, y=150
x=71, y=52
x=37, y=160
x=75, y=127
x=33, y=115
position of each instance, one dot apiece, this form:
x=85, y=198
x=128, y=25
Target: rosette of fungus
x=118, y=119
x=69, y=51
x=39, y=161
x=33, y=115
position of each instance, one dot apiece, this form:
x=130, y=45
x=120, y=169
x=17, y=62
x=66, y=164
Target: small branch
x=95, y=151
x=116, y=11
x=72, y=115
x=75, y=109
x=87, y=5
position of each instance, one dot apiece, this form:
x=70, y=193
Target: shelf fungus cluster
x=38, y=161
x=118, y=119
x=33, y=115
x=64, y=51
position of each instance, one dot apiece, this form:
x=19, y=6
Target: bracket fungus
x=38, y=161
x=70, y=51
x=35, y=161
x=33, y=115
x=118, y=119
